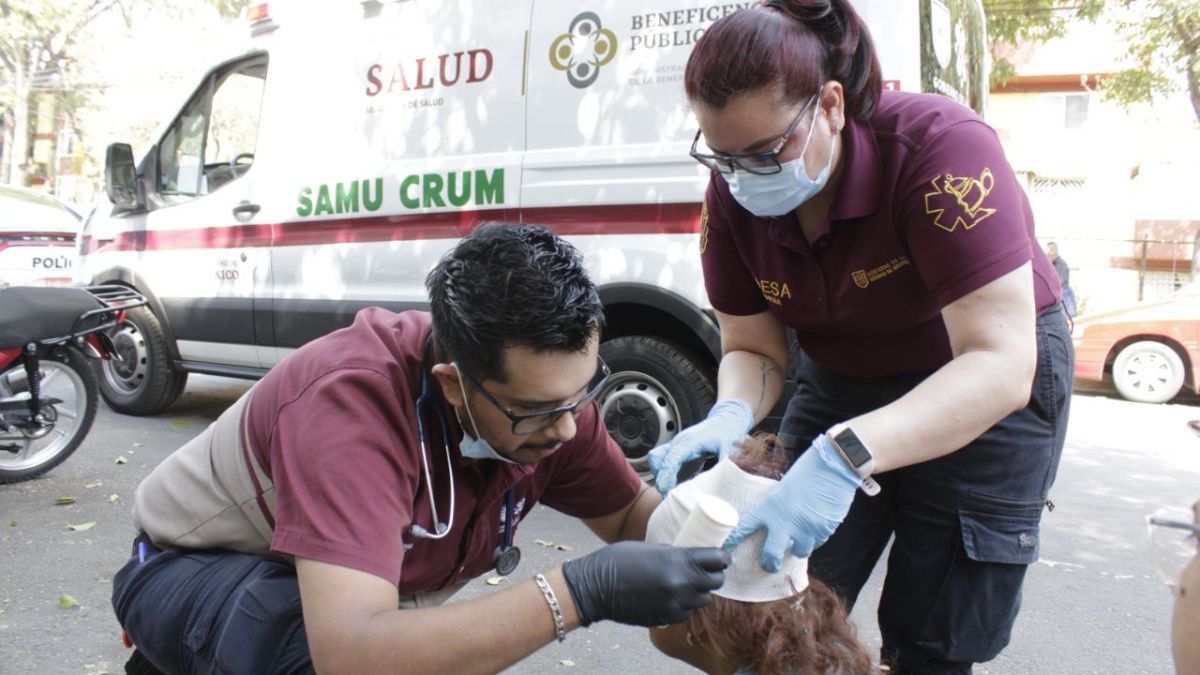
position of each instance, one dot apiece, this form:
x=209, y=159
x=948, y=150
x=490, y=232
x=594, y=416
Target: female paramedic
x=889, y=231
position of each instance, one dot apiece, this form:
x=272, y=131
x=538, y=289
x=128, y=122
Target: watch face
x=855, y=451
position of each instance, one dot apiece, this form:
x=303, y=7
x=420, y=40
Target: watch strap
x=856, y=455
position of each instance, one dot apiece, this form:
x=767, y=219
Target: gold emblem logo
x=703, y=227
x=860, y=278
x=586, y=47
x=959, y=200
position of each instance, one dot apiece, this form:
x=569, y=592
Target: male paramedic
x=323, y=519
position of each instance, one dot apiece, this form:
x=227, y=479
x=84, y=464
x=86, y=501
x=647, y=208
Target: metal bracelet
x=560, y=625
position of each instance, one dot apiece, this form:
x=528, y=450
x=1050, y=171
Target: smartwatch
x=855, y=453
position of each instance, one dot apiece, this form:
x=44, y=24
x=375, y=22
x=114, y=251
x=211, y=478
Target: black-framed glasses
x=524, y=424
x=761, y=163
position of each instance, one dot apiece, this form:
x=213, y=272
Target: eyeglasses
x=1173, y=542
x=761, y=163
x=524, y=424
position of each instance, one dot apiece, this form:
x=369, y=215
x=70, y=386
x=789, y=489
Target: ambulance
x=329, y=166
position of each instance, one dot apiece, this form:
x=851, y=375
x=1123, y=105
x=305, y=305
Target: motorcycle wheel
x=66, y=375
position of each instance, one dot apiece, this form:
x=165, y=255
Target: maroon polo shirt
x=927, y=211
x=334, y=426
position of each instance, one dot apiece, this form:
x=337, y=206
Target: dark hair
x=507, y=286
x=796, y=44
x=809, y=632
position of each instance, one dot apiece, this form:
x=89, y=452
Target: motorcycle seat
x=33, y=313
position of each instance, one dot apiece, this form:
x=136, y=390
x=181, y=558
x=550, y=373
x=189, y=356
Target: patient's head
x=760, y=622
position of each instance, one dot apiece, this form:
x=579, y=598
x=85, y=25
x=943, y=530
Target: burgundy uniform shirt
x=928, y=210
x=334, y=426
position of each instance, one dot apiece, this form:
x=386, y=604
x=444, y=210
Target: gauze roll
x=745, y=579
x=708, y=524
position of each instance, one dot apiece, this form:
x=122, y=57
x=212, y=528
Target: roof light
x=257, y=12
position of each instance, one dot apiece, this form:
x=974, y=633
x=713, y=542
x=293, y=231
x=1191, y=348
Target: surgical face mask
x=780, y=193
x=475, y=448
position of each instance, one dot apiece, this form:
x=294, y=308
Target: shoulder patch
x=959, y=200
x=703, y=226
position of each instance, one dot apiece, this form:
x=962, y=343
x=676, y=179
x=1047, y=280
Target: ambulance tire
x=656, y=389
x=144, y=382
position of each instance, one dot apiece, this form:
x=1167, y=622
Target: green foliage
x=1164, y=44
x=1021, y=22
x=229, y=9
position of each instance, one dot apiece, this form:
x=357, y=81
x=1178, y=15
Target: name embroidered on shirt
x=959, y=200
x=775, y=292
x=863, y=278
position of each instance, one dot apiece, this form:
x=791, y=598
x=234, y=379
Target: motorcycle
x=48, y=389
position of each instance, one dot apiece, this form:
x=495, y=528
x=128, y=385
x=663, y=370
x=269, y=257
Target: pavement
x=1092, y=603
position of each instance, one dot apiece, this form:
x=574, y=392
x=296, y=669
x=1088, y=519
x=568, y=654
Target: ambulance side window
x=179, y=153
x=213, y=140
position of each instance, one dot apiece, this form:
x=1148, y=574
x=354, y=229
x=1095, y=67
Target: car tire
x=656, y=389
x=143, y=382
x=1148, y=372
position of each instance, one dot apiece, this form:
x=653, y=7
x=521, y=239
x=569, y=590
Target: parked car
x=37, y=238
x=1150, y=349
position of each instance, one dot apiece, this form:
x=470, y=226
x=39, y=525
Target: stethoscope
x=507, y=556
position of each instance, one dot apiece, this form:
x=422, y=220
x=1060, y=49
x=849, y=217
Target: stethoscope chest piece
x=507, y=560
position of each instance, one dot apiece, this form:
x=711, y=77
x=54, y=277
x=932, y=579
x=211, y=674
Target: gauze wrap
x=745, y=579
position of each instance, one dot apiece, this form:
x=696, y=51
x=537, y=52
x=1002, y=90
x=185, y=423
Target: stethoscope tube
x=423, y=401
x=508, y=556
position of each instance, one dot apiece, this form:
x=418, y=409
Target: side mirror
x=120, y=177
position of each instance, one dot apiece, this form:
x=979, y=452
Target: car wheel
x=1148, y=372
x=143, y=381
x=656, y=389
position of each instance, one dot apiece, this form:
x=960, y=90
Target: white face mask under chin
x=469, y=446
x=780, y=193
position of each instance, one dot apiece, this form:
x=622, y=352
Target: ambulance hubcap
x=639, y=414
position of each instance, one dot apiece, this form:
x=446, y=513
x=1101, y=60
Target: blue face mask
x=469, y=446
x=780, y=193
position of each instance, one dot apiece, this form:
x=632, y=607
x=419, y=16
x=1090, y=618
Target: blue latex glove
x=805, y=508
x=728, y=421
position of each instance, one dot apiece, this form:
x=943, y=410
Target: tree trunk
x=19, y=150
x=1193, y=78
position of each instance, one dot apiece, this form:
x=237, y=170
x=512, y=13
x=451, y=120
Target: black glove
x=644, y=584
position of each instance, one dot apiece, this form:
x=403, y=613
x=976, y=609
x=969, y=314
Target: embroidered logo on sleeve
x=703, y=227
x=959, y=200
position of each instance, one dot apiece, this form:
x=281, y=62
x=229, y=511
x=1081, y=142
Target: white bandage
x=745, y=579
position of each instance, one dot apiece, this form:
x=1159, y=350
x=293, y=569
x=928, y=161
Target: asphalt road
x=1093, y=603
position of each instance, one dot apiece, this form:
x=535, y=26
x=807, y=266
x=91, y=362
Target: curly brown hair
x=809, y=632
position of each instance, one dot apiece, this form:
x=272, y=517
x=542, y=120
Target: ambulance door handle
x=246, y=209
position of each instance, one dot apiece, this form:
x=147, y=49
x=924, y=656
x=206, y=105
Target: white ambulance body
x=329, y=167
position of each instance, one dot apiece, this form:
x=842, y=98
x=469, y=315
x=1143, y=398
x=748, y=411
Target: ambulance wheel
x=656, y=390
x=1148, y=372
x=143, y=382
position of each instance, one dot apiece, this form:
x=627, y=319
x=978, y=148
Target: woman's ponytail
x=850, y=52
x=798, y=44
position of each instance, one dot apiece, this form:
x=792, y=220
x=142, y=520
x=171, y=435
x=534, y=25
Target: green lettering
x=323, y=203
x=409, y=202
x=347, y=198
x=489, y=191
x=372, y=204
x=306, y=206
x=452, y=193
x=433, y=190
